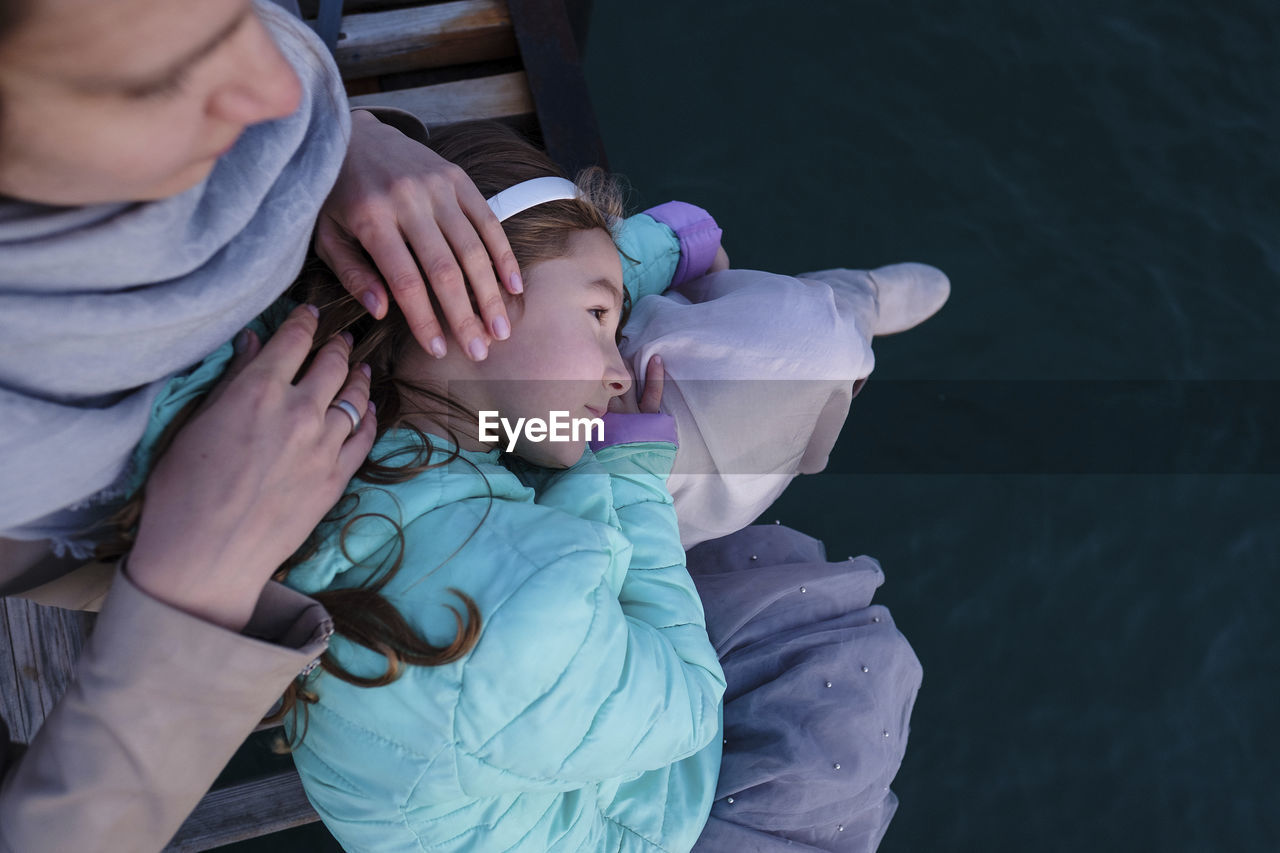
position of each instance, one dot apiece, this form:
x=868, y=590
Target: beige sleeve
x=160, y=702
x=402, y=120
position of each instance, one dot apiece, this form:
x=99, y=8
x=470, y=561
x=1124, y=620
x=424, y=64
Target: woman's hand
x=649, y=401
x=391, y=190
x=252, y=473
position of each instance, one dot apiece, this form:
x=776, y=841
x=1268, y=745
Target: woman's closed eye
x=164, y=88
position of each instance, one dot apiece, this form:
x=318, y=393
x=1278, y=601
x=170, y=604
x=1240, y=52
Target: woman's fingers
x=284, y=354
x=328, y=371
x=357, y=446
x=251, y=474
x=344, y=256
x=474, y=256
x=246, y=346
x=495, y=240
x=447, y=282
x=654, y=378
x=343, y=421
x=392, y=189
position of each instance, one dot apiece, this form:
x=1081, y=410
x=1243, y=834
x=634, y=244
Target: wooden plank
x=244, y=811
x=554, y=68
x=310, y=8
x=497, y=97
x=44, y=644
x=456, y=33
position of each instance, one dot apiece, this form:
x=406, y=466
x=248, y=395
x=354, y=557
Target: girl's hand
x=650, y=400
x=253, y=472
x=391, y=190
x=720, y=261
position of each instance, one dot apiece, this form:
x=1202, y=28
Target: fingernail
x=501, y=329
x=241, y=342
x=315, y=312
x=370, y=302
x=366, y=370
x=477, y=349
x=346, y=336
x=657, y=359
x=372, y=408
x=517, y=283
x=438, y=348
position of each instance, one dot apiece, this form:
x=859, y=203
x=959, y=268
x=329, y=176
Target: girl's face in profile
x=562, y=354
x=132, y=100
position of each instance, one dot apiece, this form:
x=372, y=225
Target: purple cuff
x=698, y=234
x=632, y=427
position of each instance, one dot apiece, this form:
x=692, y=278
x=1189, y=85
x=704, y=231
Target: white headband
x=527, y=194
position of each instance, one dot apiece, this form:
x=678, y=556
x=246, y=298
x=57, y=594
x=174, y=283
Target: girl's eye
x=601, y=314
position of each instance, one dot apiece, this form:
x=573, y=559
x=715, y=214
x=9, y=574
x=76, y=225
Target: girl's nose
x=616, y=376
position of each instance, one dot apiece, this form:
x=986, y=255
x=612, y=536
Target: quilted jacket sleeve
x=607, y=669
x=650, y=254
x=666, y=246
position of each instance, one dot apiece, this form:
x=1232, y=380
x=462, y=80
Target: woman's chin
x=181, y=181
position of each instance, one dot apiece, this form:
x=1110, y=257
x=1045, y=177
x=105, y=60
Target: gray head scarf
x=100, y=305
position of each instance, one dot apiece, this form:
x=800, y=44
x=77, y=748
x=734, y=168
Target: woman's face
x=132, y=100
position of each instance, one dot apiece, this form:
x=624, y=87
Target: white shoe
x=907, y=295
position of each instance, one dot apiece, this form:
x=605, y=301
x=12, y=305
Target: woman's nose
x=262, y=85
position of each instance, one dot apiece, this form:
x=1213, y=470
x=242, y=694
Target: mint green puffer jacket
x=586, y=718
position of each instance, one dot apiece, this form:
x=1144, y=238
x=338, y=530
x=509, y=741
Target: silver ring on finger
x=350, y=412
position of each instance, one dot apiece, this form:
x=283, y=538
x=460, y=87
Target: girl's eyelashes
x=601, y=314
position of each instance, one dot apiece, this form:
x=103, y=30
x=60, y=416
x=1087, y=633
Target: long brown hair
x=495, y=158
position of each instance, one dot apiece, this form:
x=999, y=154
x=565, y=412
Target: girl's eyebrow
x=608, y=286
x=181, y=65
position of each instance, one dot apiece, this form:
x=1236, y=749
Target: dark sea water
x=1101, y=181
